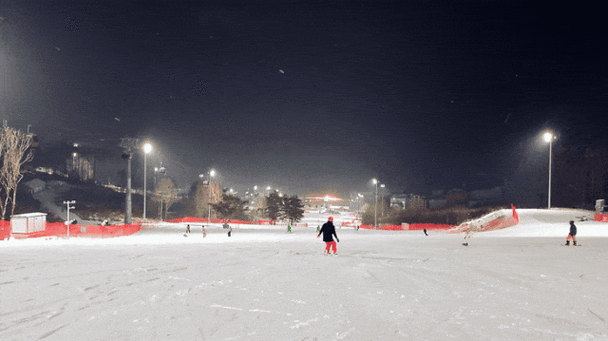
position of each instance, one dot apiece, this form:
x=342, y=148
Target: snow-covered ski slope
x=551, y=223
x=263, y=283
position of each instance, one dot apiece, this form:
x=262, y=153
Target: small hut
x=28, y=223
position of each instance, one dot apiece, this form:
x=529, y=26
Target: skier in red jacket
x=329, y=230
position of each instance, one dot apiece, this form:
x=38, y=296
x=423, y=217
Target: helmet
x=330, y=219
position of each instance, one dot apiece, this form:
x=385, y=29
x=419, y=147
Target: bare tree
x=14, y=146
x=165, y=193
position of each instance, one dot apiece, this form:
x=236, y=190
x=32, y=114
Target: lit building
x=408, y=200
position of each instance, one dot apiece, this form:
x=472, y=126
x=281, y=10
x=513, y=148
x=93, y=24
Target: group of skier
x=328, y=230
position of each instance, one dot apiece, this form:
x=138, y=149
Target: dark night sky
x=306, y=95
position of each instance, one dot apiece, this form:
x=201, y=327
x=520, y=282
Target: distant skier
x=572, y=234
x=204, y=232
x=229, y=231
x=188, y=228
x=318, y=227
x=289, y=228
x=426, y=234
x=472, y=229
x=329, y=230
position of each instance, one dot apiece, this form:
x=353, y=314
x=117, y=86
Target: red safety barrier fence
x=489, y=226
x=601, y=218
x=493, y=221
x=91, y=231
x=5, y=229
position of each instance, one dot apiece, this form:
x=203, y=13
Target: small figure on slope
x=329, y=230
x=472, y=229
x=289, y=228
x=229, y=231
x=188, y=228
x=204, y=232
x=572, y=234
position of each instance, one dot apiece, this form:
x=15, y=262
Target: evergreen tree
x=231, y=207
x=293, y=209
x=274, y=206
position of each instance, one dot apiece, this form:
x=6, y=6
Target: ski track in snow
x=267, y=285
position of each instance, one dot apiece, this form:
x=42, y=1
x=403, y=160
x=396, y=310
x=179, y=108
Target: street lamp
x=382, y=205
x=549, y=138
x=375, y=182
x=211, y=173
x=147, y=149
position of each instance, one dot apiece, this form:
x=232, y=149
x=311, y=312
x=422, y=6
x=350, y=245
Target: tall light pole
x=211, y=173
x=382, y=205
x=549, y=138
x=375, y=182
x=147, y=149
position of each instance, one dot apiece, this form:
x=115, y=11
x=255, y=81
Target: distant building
x=398, y=200
x=408, y=200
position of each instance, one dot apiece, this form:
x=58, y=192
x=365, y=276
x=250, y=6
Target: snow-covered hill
x=552, y=223
x=263, y=283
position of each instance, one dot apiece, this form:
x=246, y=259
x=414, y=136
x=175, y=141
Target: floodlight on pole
x=549, y=137
x=382, y=206
x=147, y=150
x=375, y=182
x=211, y=174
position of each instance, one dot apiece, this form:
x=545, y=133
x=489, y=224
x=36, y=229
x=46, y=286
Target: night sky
x=307, y=95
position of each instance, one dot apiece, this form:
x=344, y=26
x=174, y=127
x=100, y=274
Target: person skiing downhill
x=572, y=234
x=472, y=229
x=329, y=230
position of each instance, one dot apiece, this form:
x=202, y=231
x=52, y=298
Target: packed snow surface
x=263, y=283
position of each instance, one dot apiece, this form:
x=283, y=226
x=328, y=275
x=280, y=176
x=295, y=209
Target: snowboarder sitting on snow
x=328, y=229
x=572, y=234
